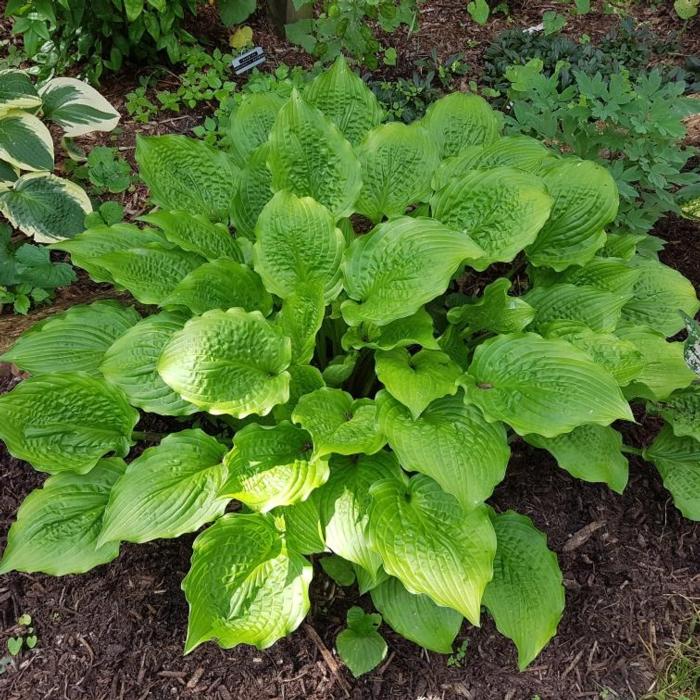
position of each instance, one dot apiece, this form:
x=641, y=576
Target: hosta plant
x=33, y=199
x=338, y=395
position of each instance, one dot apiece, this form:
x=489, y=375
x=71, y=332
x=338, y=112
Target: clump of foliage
x=32, y=198
x=104, y=169
x=341, y=389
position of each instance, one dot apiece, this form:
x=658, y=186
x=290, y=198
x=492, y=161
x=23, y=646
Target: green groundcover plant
x=337, y=392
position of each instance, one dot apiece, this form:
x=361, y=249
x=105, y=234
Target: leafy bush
x=343, y=390
x=32, y=198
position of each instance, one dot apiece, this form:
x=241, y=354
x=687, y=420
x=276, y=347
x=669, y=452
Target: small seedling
x=455, y=660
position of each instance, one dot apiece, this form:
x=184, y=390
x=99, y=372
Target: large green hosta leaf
x=460, y=120
x=338, y=423
x=310, y=157
x=659, y=295
x=25, y=142
x=431, y=544
x=298, y=243
x=450, y=442
x=385, y=270
x=345, y=99
x=303, y=380
x=502, y=210
x=678, y=462
x=606, y=274
x=416, y=617
x=585, y=202
x=344, y=503
x=411, y=330
x=65, y=422
x=543, y=386
x=253, y=193
x=682, y=410
x=73, y=341
x=272, y=466
x=397, y=162
x=168, y=490
x=589, y=452
x=184, y=173
x=300, y=319
x=131, y=361
x=245, y=586
x=302, y=525
x=230, y=362
x=251, y=123
x=58, y=525
x=526, y=595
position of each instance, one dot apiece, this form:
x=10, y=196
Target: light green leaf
x=76, y=107
x=303, y=380
x=298, y=243
x=678, y=462
x=606, y=274
x=340, y=369
x=360, y=646
x=73, y=341
x=168, y=490
x=62, y=539
x=589, y=452
x=65, y=422
x=479, y=11
x=302, y=522
x=183, y=173
x=230, y=362
x=25, y=142
x=300, y=319
x=253, y=193
x=310, y=157
x=585, y=202
x=398, y=161
x=235, y=11
x=345, y=99
x=460, y=120
x=251, y=123
x=367, y=583
x=17, y=92
x=543, y=386
x=244, y=586
x=431, y=544
x=221, y=284
x=385, y=270
x=271, y=466
x=338, y=569
x=682, y=411
x=526, y=595
x=130, y=364
x=133, y=8
x=451, y=442
x=338, y=423
x=502, y=210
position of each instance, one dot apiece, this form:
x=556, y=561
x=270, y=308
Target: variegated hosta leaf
x=229, y=362
x=585, y=202
x=76, y=107
x=302, y=525
x=345, y=99
x=344, y=503
x=17, y=92
x=417, y=380
x=45, y=207
x=25, y=141
x=605, y=274
x=57, y=526
x=494, y=310
x=460, y=120
x=659, y=295
x=73, y=341
x=245, y=585
x=300, y=319
x=450, y=442
x=385, y=270
x=251, y=123
x=691, y=347
x=526, y=595
x=338, y=423
x=589, y=452
x=501, y=209
x=431, y=544
x=665, y=369
x=412, y=330
x=65, y=422
x=271, y=466
x=9, y=174
x=87, y=247
x=398, y=161
x=168, y=490
x=298, y=243
x=184, y=173
x=253, y=193
x=682, y=411
x=195, y=233
x=310, y=157
x=678, y=462
x=416, y=617
x=130, y=363
x=543, y=386
x=599, y=310
x=151, y=274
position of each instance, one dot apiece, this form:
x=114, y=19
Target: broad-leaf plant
x=345, y=391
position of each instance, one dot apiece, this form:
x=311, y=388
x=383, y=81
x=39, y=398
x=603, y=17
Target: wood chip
x=582, y=536
x=328, y=658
